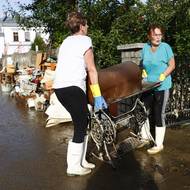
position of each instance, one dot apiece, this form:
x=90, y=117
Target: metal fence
x=178, y=109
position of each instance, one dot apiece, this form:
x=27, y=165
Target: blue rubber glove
x=100, y=103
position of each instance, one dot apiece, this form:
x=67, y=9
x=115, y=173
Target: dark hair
x=152, y=27
x=74, y=20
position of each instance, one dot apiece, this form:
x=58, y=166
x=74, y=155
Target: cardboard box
x=10, y=68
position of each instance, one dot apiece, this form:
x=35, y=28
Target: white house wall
x=21, y=46
x=1, y=46
x=9, y=46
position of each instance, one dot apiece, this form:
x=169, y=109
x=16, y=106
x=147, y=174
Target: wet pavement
x=33, y=157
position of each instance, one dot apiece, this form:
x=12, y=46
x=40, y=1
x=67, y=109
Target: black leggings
x=74, y=100
x=155, y=102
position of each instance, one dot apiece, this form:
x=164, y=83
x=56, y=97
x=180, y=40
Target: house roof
x=8, y=22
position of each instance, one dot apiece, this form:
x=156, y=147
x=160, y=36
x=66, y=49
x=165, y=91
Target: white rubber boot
x=74, y=156
x=84, y=162
x=160, y=134
x=145, y=134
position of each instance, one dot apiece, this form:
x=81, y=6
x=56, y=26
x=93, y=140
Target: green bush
x=40, y=43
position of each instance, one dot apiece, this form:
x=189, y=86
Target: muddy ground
x=33, y=157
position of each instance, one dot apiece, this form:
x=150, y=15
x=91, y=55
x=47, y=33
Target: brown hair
x=153, y=27
x=74, y=20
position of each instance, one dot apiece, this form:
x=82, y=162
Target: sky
x=13, y=3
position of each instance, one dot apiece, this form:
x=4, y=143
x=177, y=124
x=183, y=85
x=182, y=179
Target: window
x=15, y=36
x=27, y=36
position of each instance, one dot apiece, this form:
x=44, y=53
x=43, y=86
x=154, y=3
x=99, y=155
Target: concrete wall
x=22, y=60
x=130, y=52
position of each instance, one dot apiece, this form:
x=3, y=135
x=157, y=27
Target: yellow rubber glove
x=99, y=101
x=144, y=74
x=162, y=77
x=95, y=88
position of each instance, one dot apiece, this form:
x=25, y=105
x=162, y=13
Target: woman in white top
x=75, y=59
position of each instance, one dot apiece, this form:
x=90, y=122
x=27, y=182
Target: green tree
x=38, y=41
x=101, y=15
x=112, y=22
x=180, y=27
x=50, y=14
x=174, y=16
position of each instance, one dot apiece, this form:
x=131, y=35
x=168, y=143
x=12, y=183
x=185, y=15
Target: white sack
x=57, y=111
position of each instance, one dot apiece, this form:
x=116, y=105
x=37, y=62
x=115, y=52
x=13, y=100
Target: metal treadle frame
x=104, y=129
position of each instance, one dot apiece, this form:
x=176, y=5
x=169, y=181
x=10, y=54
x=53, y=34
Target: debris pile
x=32, y=83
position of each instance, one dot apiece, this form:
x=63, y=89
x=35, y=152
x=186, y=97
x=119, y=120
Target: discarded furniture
x=122, y=86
